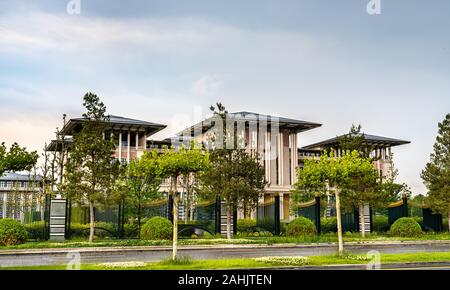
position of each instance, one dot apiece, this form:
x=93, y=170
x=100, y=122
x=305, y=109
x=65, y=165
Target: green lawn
x=187, y=264
x=325, y=238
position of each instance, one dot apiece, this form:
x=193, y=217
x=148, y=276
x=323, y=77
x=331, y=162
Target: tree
x=236, y=175
x=139, y=182
x=355, y=140
x=91, y=168
x=436, y=174
x=361, y=186
x=16, y=158
x=336, y=175
x=176, y=163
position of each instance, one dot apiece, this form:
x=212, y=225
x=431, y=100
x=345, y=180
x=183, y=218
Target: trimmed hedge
x=36, y=230
x=301, y=226
x=406, y=227
x=12, y=232
x=157, y=228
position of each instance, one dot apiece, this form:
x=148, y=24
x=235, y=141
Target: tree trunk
x=139, y=215
x=339, y=222
x=448, y=216
x=175, y=220
x=228, y=222
x=91, y=221
x=362, y=221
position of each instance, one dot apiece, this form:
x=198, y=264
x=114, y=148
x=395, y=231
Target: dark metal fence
x=311, y=210
x=268, y=216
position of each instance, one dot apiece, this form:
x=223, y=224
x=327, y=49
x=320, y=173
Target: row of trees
x=94, y=176
x=351, y=179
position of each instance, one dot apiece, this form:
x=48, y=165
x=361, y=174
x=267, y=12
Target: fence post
x=234, y=221
x=405, y=206
x=218, y=216
x=68, y=217
x=371, y=218
x=317, y=214
x=277, y=215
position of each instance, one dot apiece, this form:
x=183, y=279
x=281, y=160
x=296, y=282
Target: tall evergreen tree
x=436, y=174
x=91, y=169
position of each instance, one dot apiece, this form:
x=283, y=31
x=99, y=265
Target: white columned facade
x=5, y=202
x=281, y=206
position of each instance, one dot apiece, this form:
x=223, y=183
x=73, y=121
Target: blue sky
x=167, y=61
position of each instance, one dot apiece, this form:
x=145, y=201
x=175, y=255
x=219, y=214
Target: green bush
x=36, y=230
x=301, y=226
x=406, y=227
x=328, y=225
x=380, y=223
x=12, y=232
x=157, y=228
x=246, y=225
x=131, y=230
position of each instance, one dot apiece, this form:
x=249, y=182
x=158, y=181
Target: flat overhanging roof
x=116, y=122
x=247, y=117
x=368, y=139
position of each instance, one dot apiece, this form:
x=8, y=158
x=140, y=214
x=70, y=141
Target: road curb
x=212, y=247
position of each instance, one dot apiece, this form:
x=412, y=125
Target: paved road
x=147, y=254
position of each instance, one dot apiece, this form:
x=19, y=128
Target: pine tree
x=436, y=174
x=91, y=169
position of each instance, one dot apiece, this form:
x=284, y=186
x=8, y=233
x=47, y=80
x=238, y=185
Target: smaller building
x=19, y=196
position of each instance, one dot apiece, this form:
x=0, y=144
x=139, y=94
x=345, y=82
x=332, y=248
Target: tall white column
x=267, y=156
x=129, y=146
x=280, y=159
x=137, y=140
x=281, y=206
x=120, y=145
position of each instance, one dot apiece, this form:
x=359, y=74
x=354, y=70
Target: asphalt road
x=99, y=255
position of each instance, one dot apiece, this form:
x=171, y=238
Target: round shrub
x=406, y=227
x=157, y=228
x=328, y=225
x=12, y=232
x=301, y=226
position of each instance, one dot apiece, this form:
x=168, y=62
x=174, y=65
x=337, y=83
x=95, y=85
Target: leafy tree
x=91, y=168
x=394, y=190
x=174, y=164
x=436, y=174
x=16, y=158
x=337, y=175
x=361, y=186
x=139, y=182
x=236, y=175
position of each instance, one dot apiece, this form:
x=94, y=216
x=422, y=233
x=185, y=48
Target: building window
x=124, y=138
x=133, y=139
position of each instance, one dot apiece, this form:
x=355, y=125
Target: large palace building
x=274, y=138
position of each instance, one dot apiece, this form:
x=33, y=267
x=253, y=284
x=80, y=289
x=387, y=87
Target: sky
x=167, y=61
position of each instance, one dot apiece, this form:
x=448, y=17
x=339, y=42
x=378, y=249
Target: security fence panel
x=205, y=216
x=350, y=221
x=268, y=216
x=310, y=210
x=432, y=222
x=397, y=210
